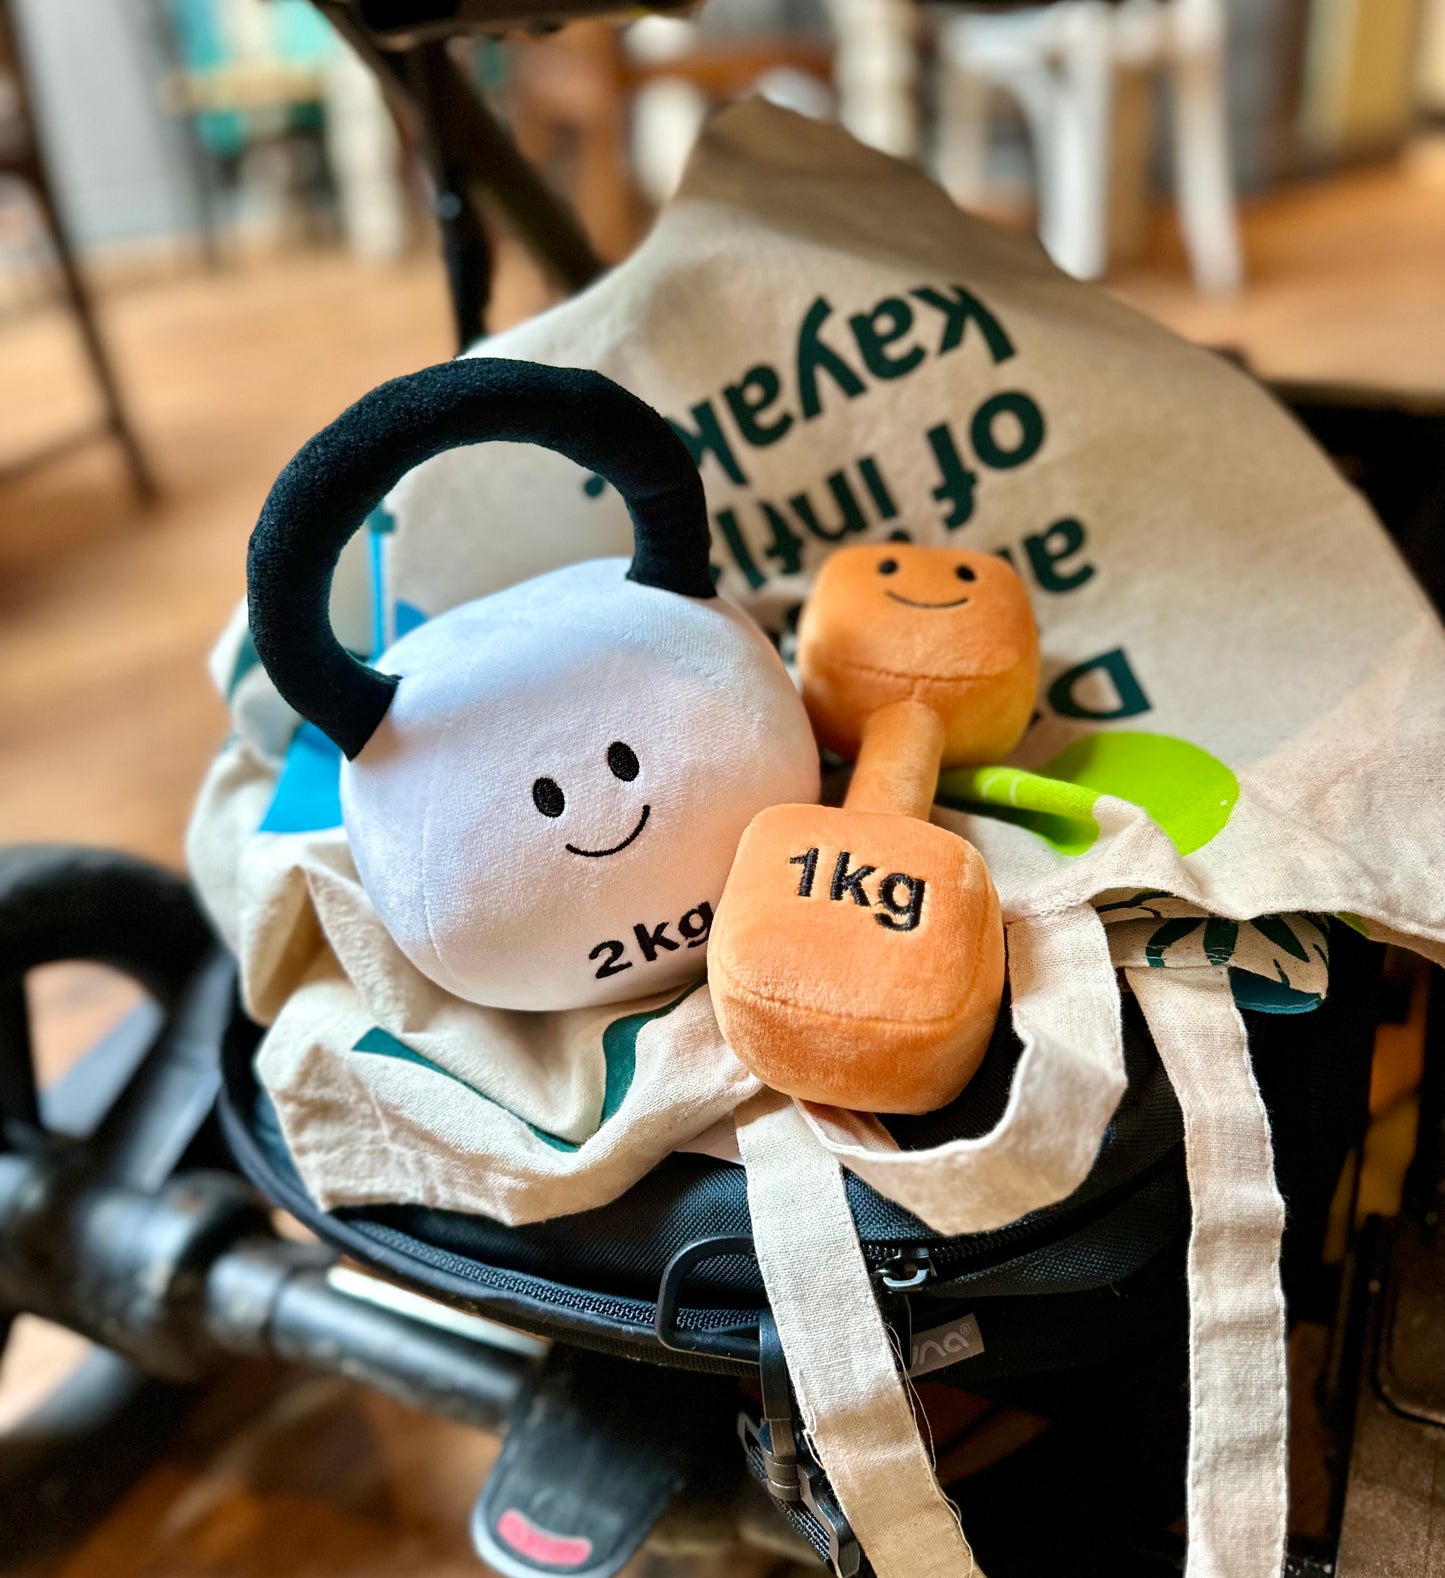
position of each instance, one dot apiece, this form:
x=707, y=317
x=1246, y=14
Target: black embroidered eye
x=622, y=759
x=964, y=573
x=888, y=567
x=547, y=797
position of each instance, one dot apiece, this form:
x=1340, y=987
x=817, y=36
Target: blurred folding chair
x=23, y=159
x=1060, y=63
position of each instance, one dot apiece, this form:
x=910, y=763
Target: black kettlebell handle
x=338, y=477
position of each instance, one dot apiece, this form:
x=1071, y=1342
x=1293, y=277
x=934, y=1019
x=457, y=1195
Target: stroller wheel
x=129, y=1111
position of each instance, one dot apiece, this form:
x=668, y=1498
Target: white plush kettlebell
x=543, y=789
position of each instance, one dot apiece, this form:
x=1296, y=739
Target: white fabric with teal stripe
x=377, y=1115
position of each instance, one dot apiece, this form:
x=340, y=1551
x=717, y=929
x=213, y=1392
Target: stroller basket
x=1109, y=1257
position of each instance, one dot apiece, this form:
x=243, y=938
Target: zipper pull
x=904, y=1273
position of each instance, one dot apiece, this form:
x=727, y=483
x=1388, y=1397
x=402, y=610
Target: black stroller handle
x=66, y=902
x=144, y=1095
x=339, y=476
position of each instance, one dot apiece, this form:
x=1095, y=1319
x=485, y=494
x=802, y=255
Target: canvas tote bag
x=1241, y=715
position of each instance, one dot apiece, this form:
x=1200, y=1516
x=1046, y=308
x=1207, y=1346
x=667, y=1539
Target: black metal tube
x=178, y=1280
x=466, y=247
x=479, y=146
x=1425, y=1181
x=439, y=1371
x=468, y=153
x=402, y=24
x=269, y=1298
x=123, y=1267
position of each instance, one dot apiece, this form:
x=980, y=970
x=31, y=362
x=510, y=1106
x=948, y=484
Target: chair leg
x=1203, y=175
x=1074, y=166
x=78, y=295
x=364, y=153
x=962, y=154
x=1033, y=85
x=876, y=69
x=667, y=115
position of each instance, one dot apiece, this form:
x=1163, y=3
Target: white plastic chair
x=1059, y=62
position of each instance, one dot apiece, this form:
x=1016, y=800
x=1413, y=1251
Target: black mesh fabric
x=1100, y=1268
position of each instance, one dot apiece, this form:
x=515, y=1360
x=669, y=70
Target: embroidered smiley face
x=962, y=572
x=950, y=627
x=622, y=763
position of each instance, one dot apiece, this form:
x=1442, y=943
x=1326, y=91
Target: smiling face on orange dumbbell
x=950, y=628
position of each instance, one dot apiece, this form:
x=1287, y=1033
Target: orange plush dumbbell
x=857, y=954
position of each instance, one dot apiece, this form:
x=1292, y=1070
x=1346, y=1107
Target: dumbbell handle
x=899, y=758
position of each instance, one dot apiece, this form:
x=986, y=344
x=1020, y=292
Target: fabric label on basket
x=940, y=1346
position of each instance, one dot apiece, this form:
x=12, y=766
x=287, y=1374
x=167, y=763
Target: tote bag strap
x=843, y=1365
x=1068, y=1082
x=1238, y=1491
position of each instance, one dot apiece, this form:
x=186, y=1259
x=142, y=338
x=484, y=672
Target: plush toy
x=543, y=789
x=857, y=956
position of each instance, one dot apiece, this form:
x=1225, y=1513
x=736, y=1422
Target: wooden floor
x=106, y=612
x=1346, y=281
x=107, y=717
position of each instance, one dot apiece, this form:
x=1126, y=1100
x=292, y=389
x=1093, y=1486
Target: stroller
x=628, y=1352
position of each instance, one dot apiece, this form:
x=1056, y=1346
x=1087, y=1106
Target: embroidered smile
x=958, y=602
x=598, y=854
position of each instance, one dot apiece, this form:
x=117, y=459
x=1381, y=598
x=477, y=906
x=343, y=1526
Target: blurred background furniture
x=284, y=120
x=1367, y=68
x=628, y=105
x=878, y=73
x=22, y=159
x=1060, y=63
x=246, y=81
